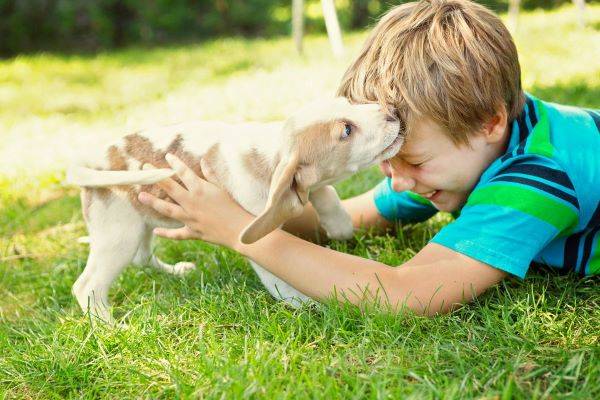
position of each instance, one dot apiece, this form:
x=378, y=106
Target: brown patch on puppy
x=116, y=161
x=317, y=141
x=258, y=165
x=215, y=162
x=142, y=150
x=189, y=159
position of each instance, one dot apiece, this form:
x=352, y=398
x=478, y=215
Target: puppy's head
x=323, y=142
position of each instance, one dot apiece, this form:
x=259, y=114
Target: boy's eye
x=417, y=165
x=347, y=131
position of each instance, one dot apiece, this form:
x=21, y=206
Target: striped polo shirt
x=537, y=203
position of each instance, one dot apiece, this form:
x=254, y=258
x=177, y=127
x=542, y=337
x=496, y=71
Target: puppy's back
x=122, y=161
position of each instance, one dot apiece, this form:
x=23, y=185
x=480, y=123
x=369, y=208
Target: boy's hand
x=206, y=211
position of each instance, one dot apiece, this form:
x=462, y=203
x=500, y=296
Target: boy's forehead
x=414, y=146
x=423, y=138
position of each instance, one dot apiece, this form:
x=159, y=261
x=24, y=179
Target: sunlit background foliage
x=67, y=25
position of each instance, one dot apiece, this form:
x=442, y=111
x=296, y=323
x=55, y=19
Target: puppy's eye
x=347, y=131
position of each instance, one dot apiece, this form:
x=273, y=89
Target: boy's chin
x=449, y=202
x=442, y=207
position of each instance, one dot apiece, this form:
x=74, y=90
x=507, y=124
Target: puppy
x=271, y=169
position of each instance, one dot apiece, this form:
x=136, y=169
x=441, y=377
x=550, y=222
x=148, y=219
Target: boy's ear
x=495, y=127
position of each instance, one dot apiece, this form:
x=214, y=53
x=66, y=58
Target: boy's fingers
x=185, y=173
x=173, y=189
x=176, y=234
x=161, y=206
x=208, y=172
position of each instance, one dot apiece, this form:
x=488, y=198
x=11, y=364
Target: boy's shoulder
x=536, y=201
x=552, y=130
x=549, y=165
x=552, y=140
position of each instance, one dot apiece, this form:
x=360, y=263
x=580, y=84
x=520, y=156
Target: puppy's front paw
x=338, y=227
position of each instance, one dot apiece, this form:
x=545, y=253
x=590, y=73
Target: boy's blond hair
x=452, y=61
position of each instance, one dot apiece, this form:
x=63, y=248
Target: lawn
x=217, y=333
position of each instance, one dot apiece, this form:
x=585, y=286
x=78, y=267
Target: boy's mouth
x=431, y=195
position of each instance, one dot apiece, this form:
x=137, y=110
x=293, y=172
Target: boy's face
x=431, y=165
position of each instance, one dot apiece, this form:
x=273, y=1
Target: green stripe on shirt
x=527, y=201
x=539, y=139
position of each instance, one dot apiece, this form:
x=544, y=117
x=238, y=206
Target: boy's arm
x=361, y=208
x=435, y=280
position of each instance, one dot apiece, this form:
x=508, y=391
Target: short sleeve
x=401, y=206
x=512, y=217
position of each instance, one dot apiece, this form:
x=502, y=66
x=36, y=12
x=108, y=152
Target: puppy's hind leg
x=115, y=234
x=144, y=256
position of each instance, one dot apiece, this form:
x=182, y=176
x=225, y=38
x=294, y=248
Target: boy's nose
x=402, y=183
x=401, y=179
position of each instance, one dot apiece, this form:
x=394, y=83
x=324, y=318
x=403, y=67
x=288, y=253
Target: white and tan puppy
x=270, y=169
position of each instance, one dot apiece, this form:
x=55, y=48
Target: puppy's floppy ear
x=287, y=198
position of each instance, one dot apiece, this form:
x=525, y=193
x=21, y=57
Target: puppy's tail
x=88, y=177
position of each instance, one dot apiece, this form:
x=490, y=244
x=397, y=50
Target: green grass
x=217, y=333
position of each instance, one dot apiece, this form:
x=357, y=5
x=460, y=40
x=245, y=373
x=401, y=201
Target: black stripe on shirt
x=587, y=248
x=528, y=109
x=520, y=149
x=540, y=171
x=572, y=244
x=507, y=156
x=541, y=186
x=523, y=132
x=572, y=251
x=532, y=116
x=596, y=117
x=595, y=220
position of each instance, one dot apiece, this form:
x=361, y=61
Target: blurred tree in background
x=90, y=25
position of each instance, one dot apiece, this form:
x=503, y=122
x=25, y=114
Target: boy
x=522, y=175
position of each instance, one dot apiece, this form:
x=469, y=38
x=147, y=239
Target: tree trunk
x=298, y=23
x=333, y=27
x=580, y=4
x=513, y=14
